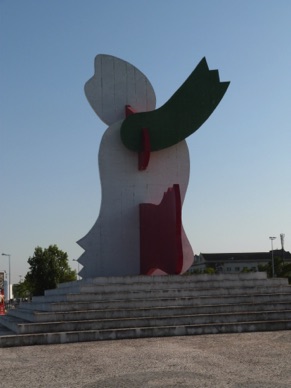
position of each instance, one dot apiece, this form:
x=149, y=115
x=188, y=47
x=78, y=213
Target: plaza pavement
x=250, y=360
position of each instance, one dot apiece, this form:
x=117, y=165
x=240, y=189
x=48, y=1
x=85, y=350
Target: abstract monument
x=144, y=169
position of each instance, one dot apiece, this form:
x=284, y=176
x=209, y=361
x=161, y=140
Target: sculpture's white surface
x=112, y=246
x=117, y=83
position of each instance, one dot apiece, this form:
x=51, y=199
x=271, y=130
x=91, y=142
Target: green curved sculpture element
x=188, y=108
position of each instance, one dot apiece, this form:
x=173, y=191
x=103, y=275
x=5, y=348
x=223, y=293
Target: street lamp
x=273, y=267
x=9, y=277
x=78, y=277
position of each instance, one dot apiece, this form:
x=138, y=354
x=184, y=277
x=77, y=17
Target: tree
x=209, y=270
x=21, y=290
x=282, y=270
x=48, y=267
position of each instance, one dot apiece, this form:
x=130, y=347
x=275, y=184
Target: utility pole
x=282, y=237
x=273, y=266
x=9, y=275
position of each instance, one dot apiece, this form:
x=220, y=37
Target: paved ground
x=233, y=360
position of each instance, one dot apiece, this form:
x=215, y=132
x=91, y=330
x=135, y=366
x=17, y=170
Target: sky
x=239, y=189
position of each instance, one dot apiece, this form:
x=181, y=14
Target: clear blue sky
x=240, y=186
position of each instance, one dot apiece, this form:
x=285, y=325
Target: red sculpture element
x=161, y=234
x=2, y=302
x=144, y=155
x=129, y=111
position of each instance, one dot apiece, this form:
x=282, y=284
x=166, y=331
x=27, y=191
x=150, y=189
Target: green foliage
x=21, y=290
x=246, y=270
x=209, y=271
x=263, y=268
x=48, y=267
x=282, y=270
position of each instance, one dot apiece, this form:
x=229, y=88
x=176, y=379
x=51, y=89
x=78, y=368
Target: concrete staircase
x=150, y=306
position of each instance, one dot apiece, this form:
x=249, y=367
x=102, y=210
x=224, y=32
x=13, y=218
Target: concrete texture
x=250, y=360
x=112, y=246
x=152, y=308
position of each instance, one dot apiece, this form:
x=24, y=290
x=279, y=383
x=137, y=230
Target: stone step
x=159, y=293
x=148, y=321
x=142, y=332
x=157, y=302
x=191, y=282
x=169, y=279
x=5, y=331
x=103, y=308
x=38, y=316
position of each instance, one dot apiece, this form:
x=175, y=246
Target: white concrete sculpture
x=112, y=247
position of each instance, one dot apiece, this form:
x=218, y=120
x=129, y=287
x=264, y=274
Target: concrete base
x=144, y=306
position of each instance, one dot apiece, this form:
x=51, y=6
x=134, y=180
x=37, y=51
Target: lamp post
x=78, y=276
x=9, y=277
x=273, y=267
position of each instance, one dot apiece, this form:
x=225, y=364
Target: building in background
x=236, y=262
